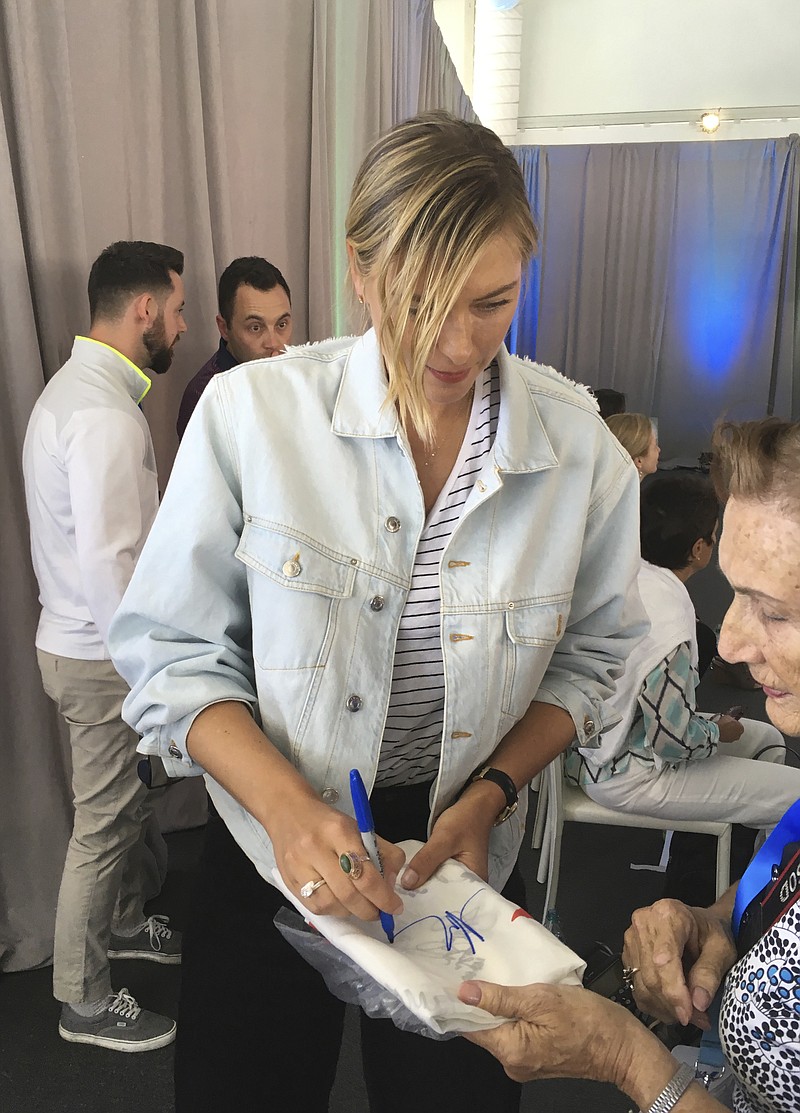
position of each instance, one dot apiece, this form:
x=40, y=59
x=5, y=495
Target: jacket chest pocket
x=296, y=588
x=532, y=632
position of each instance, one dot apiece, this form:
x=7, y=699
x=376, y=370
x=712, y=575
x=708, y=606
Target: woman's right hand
x=308, y=840
x=730, y=730
x=681, y=956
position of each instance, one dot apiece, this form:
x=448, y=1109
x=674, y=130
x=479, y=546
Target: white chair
x=560, y=800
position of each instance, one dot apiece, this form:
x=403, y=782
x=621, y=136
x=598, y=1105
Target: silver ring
x=311, y=887
x=628, y=974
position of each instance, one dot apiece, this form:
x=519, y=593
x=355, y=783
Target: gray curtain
x=223, y=127
x=669, y=271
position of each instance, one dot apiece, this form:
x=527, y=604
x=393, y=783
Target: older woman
x=407, y=553
x=637, y=435
x=678, y=956
x=664, y=758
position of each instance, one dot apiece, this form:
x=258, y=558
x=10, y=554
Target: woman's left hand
x=461, y=832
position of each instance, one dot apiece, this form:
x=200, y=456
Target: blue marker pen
x=366, y=825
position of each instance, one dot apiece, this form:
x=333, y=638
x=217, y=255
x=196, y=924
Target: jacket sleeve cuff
x=168, y=742
x=591, y=718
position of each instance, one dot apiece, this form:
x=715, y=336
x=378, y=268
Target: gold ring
x=353, y=864
x=628, y=974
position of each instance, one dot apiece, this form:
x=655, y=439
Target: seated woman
x=637, y=435
x=663, y=758
x=677, y=957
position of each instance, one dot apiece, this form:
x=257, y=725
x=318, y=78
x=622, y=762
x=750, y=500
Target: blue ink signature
x=451, y=923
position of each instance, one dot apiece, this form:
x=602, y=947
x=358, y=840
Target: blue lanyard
x=759, y=872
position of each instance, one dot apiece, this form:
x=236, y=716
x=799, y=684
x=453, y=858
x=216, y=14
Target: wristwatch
x=503, y=781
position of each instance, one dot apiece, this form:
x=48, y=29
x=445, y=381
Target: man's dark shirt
x=222, y=360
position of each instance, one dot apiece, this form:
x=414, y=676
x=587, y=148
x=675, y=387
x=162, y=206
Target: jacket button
x=292, y=568
x=354, y=703
x=174, y=751
x=376, y=603
x=330, y=795
x=588, y=725
x=392, y=524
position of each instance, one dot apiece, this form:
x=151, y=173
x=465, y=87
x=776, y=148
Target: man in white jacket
x=92, y=494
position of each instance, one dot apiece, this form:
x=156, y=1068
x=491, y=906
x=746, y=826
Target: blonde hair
x=633, y=431
x=758, y=460
x=428, y=197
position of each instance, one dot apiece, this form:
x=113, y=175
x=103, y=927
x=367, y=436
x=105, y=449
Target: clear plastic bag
x=345, y=978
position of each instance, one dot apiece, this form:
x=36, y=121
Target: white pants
x=728, y=786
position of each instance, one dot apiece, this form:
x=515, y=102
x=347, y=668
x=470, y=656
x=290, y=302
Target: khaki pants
x=116, y=857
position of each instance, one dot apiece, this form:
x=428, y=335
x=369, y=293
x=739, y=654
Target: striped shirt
x=412, y=735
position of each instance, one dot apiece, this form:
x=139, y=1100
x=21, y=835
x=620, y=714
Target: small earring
x=360, y=299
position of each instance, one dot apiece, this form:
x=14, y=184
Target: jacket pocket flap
x=295, y=562
x=537, y=623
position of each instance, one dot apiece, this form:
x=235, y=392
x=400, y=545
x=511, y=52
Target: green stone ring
x=352, y=864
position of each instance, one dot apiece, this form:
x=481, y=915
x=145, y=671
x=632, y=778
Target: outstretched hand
x=554, y=1031
x=681, y=956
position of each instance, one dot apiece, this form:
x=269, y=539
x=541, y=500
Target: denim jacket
x=278, y=566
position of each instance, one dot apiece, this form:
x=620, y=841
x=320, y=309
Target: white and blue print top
x=760, y=1020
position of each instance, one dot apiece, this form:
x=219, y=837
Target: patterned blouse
x=760, y=1020
x=665, y=723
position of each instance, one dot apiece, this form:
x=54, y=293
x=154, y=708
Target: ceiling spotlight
x=709, y=121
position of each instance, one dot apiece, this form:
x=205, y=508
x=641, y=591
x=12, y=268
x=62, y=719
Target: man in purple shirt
x=254, y=322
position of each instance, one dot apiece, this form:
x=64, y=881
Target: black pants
x=258, y=1030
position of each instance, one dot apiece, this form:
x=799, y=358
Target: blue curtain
x=668, y=271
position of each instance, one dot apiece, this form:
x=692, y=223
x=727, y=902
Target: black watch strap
x=503, y=781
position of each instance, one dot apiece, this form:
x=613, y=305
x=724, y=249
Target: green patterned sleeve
x=672, y=726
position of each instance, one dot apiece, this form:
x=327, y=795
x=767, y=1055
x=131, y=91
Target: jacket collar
x=521, y=444
x=360, y=409
x=107, y=359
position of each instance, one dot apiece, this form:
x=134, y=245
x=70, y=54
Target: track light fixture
x=710, y=121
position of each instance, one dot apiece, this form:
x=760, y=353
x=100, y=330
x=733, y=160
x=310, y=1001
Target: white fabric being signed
x=453, y=928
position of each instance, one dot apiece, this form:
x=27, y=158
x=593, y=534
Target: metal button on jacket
x=376, y=603
x=354, y=703
x=292, y=568
x=330, y=795
x=392, y=524
x=174, y=751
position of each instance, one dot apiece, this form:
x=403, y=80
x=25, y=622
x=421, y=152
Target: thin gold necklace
x=429, y=456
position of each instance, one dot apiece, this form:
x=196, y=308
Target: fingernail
x=701, y=999
x=683, y=1016
x=409, y=879
x=470, y=993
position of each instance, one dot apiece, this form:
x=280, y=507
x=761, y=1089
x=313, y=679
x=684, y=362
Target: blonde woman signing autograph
x=411, y=556
x=750, y=939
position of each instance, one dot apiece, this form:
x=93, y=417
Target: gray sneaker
x=122, y=1026
x=155, y=942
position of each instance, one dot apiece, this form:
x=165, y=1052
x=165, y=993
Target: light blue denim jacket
x=278, y=567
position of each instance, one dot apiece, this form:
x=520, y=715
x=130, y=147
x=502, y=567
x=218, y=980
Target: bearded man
x=92, y=494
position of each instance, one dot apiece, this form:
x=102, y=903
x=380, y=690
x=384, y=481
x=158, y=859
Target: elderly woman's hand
x=681, y=956
x=556, y=1031
x=559, y=1031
